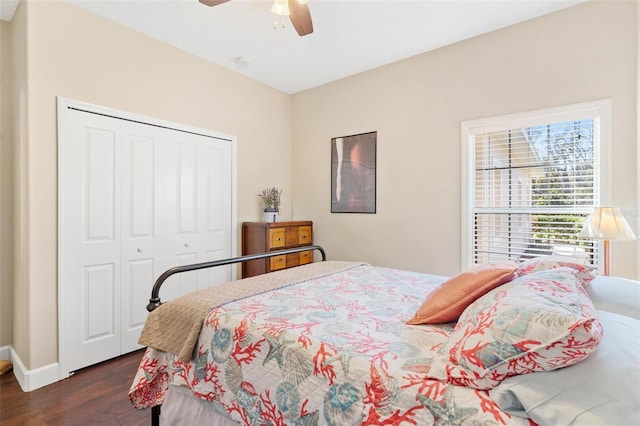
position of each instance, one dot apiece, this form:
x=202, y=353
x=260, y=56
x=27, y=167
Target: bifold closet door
x=115, y=245
x=143, y=223
x=198, y=198
x=92, y=258
x=137, y=200
x=215, y=205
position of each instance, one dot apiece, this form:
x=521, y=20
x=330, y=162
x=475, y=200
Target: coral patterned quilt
x=332, y=350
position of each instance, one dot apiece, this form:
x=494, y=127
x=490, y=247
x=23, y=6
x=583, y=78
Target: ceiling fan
x=297, y=10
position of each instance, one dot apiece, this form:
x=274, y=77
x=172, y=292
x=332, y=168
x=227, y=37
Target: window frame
x=600, y=109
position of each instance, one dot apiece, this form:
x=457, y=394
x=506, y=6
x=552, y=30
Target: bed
x=348, y=343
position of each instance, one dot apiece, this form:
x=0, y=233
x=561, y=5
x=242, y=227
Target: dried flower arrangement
x=271, y=199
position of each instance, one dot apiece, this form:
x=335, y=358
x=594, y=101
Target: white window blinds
x=531, y=188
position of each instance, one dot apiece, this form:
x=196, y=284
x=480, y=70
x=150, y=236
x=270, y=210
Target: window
x=530, y=180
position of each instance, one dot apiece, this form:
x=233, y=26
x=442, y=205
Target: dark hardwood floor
x=96, y=395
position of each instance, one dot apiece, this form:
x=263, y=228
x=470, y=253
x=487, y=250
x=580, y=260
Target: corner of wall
x=30, y=380
x=6, y=186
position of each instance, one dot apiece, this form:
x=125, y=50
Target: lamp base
x=607, y=265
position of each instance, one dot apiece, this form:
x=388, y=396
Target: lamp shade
x=280, y=7
x=607, y=223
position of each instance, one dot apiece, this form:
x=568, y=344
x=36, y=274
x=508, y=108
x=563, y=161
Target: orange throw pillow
x=446, y=303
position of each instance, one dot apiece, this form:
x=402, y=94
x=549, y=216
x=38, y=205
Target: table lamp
x=607, y=223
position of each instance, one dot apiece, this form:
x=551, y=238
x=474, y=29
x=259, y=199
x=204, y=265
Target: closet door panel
x=91, y=269
x=215, y=208
x=139, y=274
x=184, y=221
x=141, y=186
x=99, y=302
x=187, y=196
x=142, y=223
x=99, y=178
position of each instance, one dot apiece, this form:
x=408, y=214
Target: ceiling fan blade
x=300, y=17
x=213, y=2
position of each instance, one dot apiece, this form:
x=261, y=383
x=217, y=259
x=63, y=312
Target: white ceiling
x=350, y=36
x=7, y=8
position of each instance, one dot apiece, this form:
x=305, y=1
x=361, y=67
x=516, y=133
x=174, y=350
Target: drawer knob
x=139, y=250
x=186, y=244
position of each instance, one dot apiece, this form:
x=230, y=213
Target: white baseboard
x=32, y=379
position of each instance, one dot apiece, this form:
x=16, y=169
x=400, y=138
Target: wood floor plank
x=97, y=395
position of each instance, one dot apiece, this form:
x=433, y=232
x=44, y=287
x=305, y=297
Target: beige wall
x=21, y=319
x=6, y=238
x=583, y=53
x=73, y=54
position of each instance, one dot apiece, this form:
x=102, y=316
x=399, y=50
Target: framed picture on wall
x=353, y=173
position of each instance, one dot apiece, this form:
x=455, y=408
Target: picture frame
x=353, y=173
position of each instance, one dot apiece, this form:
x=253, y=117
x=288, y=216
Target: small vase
x=271, y=216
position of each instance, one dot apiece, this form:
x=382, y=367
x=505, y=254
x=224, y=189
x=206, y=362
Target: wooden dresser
x=262, y=237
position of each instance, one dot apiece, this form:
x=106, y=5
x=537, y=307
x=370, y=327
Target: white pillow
x=618, y=295
x=601, y=390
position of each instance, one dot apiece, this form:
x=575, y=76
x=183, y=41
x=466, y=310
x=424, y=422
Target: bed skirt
x=180, y=408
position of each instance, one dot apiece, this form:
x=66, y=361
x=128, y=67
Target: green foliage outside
x=566, y=152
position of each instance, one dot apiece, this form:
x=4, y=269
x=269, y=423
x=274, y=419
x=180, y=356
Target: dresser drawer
x=277, y=237
x=277, y=262
x=304, y=235
x=301, y=258
x=305, y=257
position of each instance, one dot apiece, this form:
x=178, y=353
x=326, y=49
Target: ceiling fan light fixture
x=280, y=7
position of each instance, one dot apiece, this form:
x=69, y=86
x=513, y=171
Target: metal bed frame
x=155, y=302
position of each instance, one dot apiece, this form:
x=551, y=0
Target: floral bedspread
x=328, y=351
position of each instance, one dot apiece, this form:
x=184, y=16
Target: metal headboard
x=155, y=301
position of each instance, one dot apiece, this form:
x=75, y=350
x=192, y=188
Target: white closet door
x=214, y=207
x=183, y=220
x=199, y=196
x=93, y=266
x=135, y=199
x=143, y=224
